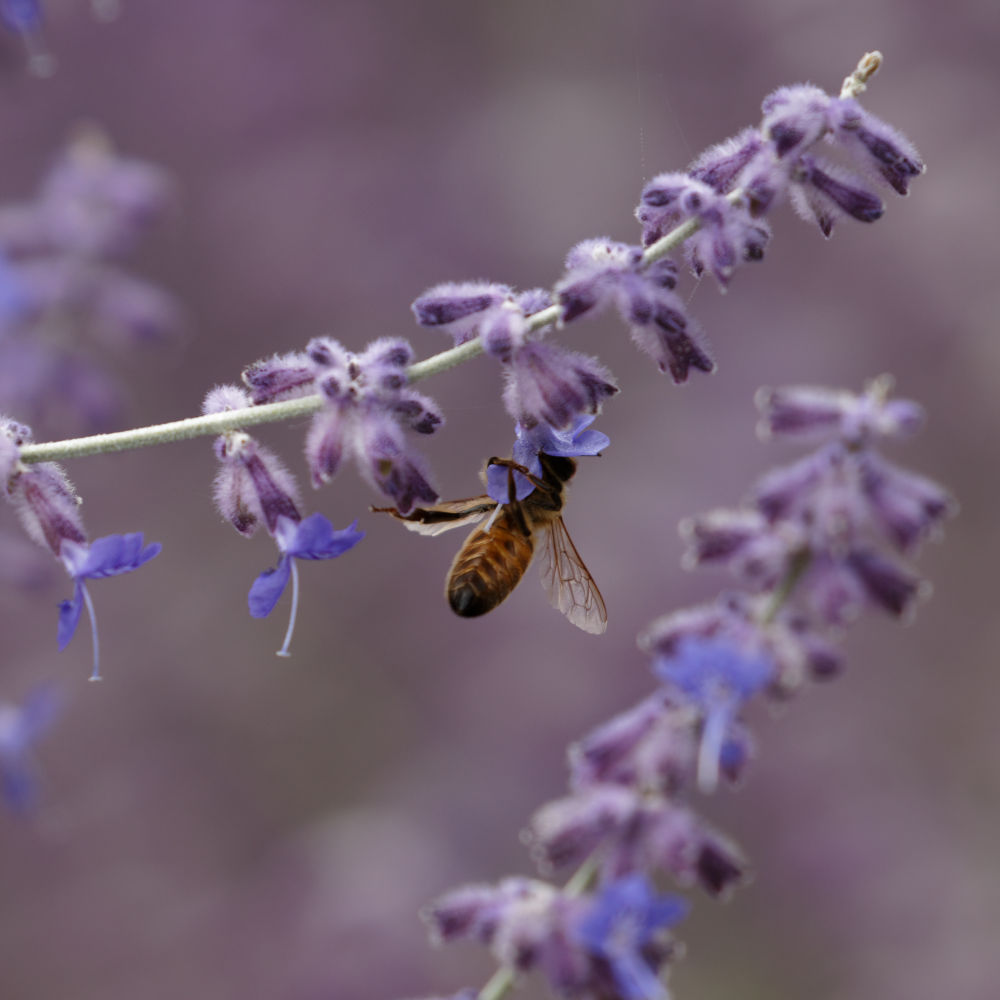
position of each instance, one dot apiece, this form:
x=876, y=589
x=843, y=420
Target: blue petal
x=69, y=617
x=498, y=479
x=115, y=554
x=316, y=538
x=701, y=667
x=268, y=587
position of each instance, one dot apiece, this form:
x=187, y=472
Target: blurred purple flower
x=21, y=726
x=624, y=928
x=62, y=292
x=719, y=678
x=111, y=555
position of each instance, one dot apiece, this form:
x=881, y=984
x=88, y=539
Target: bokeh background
x=219, y=823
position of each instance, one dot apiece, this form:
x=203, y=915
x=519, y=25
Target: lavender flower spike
x=312, y=538
x=719, y=678
x=111, y=555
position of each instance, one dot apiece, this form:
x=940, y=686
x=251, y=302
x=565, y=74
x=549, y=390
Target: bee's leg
x=512, y=467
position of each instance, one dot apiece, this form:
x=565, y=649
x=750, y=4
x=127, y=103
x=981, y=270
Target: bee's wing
x=443, y=516
x=568, y=583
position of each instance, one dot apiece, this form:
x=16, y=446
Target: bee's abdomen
x=487, y=568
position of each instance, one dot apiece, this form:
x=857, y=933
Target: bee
x=491, y=562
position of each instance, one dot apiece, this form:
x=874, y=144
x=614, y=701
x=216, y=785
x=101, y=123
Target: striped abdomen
x=489, y=566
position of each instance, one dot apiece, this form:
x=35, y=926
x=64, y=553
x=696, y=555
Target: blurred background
x=215, y=822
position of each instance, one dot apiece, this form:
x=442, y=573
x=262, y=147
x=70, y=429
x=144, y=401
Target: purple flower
x=908, y=507
x=718, y=677
x=62, y=291
x=720, y=165
x=816, y=413
x=45, y=503
x=111, y=555
x=460, y=308
x=282, y=376
x=726, y=234
x=367, y=404
x=548, y=384
x=624, y=929
x=874, y=144
x=312, y=538
x=572, y=442
x=634, y=831
x=21, y=726
x=601, y=272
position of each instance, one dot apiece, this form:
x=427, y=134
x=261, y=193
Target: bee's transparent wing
x=443, y=516
x=568, y=583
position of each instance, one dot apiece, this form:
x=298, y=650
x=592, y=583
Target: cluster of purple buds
x=543, y=383
x=777, y=160
x=253, y=487
x=367, y=403
x=716, y=210
x=63, y=291
x=49, y=510
x=830, y=517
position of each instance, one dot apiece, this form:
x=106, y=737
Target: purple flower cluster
x=841, y=516
x=610, y=943
x=367, y=403
x=49, y=510
x=813, y=533
x=543, y=383
x=63, y=292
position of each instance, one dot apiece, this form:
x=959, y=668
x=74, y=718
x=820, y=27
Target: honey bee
x=491, y=562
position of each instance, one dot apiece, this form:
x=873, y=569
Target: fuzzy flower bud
x=42, y=495
x=252, y=484
x=283, y=376
x=367, y=403
x=459, y=308
x=875, y=145
x=601, y=272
